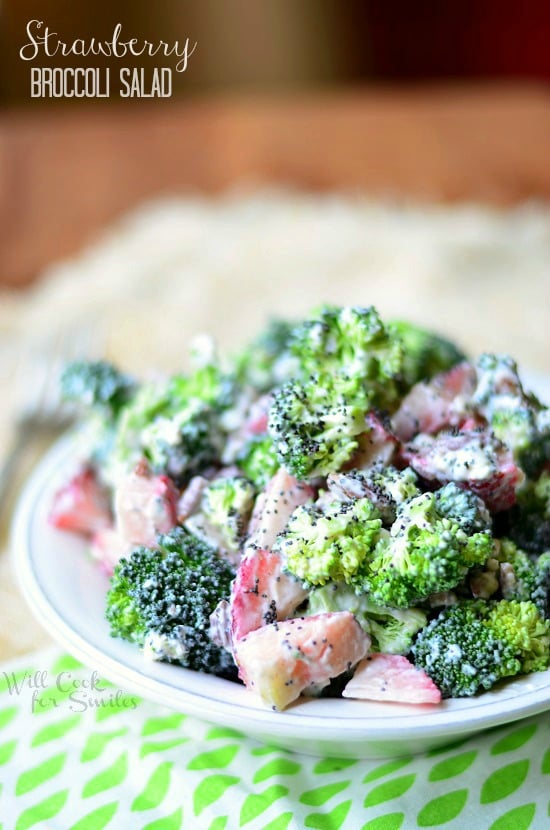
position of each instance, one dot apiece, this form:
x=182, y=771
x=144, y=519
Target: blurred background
x=436, y=101
x=287, y=45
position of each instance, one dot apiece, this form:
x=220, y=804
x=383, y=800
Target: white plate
x=66, y=591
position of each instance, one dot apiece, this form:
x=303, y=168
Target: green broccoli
x=519, y=428
x=101, y=393
x=266, y=361
x=464, y=507
x=352, y=341
x=208, y=384
x=391, y=629
x=522, y=626
x=541, y=593
x=423, y=553
x=523, y=577
x=258, y=460
x=227, y=504
x=176, y=424
x=384, y=485
x=162, y=598
x=497, y=376
x=472, y=645
x=528, y=522
x=185, y=443
x=330, y=543
x=425, y=353
x=519, y=577
x=517, y=418
x=98, y=385
x=313, y=424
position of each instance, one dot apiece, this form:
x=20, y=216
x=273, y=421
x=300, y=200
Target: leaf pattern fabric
x=67, y=763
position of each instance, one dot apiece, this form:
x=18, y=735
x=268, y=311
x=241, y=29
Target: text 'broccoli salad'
x=347, y=507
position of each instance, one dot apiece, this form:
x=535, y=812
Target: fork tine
x=41, y=367
x=39, y=408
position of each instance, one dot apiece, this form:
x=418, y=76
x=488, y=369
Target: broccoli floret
x=266, y=361
x=517, y=418
x=352, y=341
x=461, y=653
x=384, y=485
x=97, y=385
x=176, y=424
x=518, y=576
x=258, y=460
x=528, y=522
x=313, y=424
x=208, y=384
x=391, y=629
x=472, y=645
x=162, y=598
x=423, y=553
x=183, y=444
x=520, y=429
x=497, y=376
x=425, y=353
x=101, y=393
x=399, y=485
x=150, y=401
x=227, y=504
x=541, y=592
x=464, y=507
x=523, y=577
x=330, y=544
x=521, y=625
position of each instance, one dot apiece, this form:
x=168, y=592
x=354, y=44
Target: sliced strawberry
x=475, y=460
x=274, y=507
x=377, y=445
x=499, y=493
x=391, y=677
x=280, y=661
x=82, y=504
x=262, y=593
x=259, y=417
x=254, y=424
x=190, y=499
x=441, y=402
x=145, y=505
x=108, y=547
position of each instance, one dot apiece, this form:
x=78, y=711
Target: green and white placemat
x=76, y=753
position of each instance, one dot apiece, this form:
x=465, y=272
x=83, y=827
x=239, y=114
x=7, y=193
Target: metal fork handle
x=22, y=438
x=12, y=459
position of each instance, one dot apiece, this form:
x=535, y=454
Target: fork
x=40, y=412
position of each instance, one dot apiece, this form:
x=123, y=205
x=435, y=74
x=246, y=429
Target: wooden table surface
x=67, y=172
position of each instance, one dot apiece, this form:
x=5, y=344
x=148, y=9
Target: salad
x=347, y=507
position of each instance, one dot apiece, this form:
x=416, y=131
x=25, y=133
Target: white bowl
x=66, y=591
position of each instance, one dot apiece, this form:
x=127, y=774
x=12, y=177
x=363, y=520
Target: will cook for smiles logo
x=45, y=691
x=100, y=82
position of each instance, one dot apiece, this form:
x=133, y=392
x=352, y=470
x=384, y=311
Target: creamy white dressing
x=467, y=464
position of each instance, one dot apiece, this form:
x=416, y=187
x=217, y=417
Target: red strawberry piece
x=281, y=660
x=145, y=505
x=82, y=504
x=391, y=677
x=377, y=445
x=262, y=593
x=438, y=403
x=274, y=507
x=475, y=460
x=108, y=547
